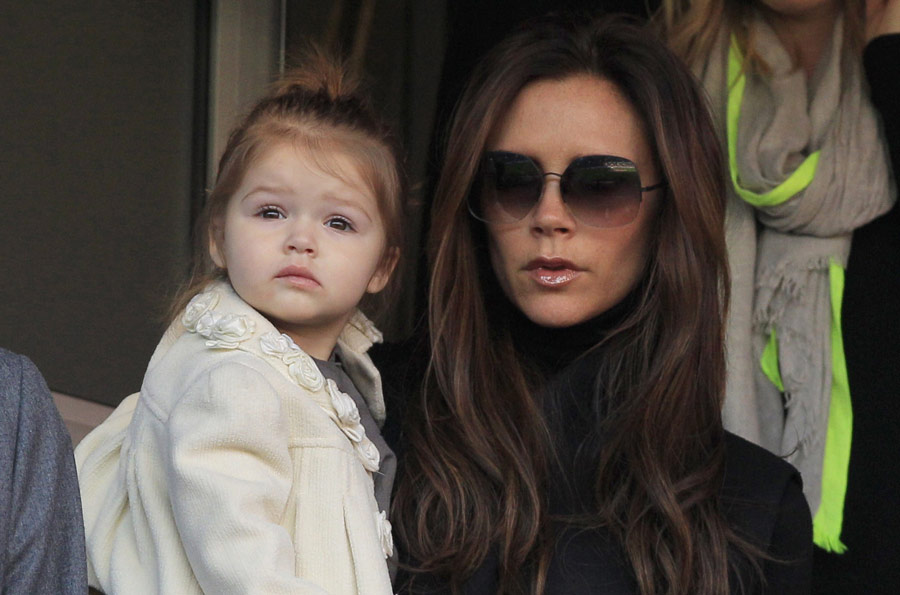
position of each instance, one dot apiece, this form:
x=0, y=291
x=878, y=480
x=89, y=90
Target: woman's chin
x=558, y=315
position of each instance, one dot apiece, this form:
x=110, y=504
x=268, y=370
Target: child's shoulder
x=359, y=333
x=217, y=334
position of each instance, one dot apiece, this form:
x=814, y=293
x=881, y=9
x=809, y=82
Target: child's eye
x=339, y=223
x=270, y=212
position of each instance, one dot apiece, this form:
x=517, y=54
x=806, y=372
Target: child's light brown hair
x=320, y=108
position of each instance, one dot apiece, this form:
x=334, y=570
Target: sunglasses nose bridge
x=548, y=176
x=552, y=211
x=550, y=179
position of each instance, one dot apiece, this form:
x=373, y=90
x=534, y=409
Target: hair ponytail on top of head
x=320, y=73
x=320, y=107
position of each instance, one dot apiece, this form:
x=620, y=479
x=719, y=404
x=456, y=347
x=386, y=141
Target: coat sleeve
x=44, y=533
x=229, y=473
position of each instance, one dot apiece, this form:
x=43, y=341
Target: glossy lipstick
x=552, y=272
x=299, y=276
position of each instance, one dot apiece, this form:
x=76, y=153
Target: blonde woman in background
x=806, y=104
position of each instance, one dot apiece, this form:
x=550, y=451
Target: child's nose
x=301, y=238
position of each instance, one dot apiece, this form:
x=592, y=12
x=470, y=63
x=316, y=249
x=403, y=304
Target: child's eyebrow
x=340, y=200
x=329, y=197
x=266, y=188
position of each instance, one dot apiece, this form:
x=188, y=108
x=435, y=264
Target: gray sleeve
x=40, y=508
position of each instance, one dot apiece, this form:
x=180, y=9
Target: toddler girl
x=251, y=460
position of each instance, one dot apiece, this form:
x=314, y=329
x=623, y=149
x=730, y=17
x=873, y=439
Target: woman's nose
x=301, y=237
x=551, y=213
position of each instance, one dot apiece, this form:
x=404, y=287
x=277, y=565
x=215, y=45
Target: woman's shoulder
x=761, y=492
x=752, y=470
x=402, y=366
x=762, y=499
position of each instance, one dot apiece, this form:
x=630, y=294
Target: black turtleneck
x=552, y=349
x=565, y=362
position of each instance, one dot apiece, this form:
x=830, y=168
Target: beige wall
x=246, y=54
x=98, y=161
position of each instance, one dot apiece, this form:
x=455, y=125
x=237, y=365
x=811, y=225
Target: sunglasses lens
x=599, y=190
x=602, y=191
x=510, y=185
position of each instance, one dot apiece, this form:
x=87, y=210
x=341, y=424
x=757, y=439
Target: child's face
x=302, y=246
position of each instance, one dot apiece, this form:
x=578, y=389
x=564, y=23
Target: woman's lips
x=552, y=272
x=298, y=277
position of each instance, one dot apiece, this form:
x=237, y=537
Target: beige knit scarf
x=780, y=255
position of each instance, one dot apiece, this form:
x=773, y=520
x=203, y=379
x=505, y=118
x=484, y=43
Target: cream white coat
x=237, y=468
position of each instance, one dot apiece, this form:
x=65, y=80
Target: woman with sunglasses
x=806, y=95
x=566, y=435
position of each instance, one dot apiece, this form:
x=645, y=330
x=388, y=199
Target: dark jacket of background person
x=40, y=509
x=871, y=326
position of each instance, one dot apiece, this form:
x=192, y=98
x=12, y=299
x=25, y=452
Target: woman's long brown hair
x=479, y=448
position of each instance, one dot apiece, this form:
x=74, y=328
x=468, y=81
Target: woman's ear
x=216, y=244
x=384, y=271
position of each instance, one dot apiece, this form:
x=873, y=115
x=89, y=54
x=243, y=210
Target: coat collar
x=226, y=321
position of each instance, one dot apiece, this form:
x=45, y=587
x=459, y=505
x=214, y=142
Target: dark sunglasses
x=599, y=190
